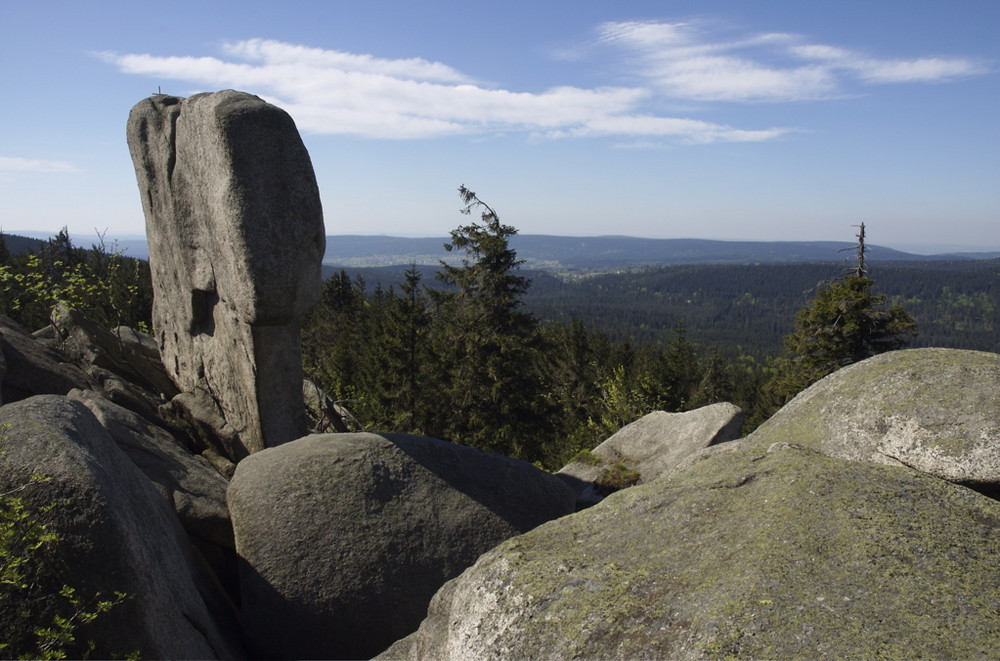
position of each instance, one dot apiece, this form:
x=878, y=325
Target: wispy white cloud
x=667, y=65
x=333, y=92
x=18, y=164
x=274, y=52
x=687, y=61
x=874, y=70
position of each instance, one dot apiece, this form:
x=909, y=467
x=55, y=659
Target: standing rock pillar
x=236, y=240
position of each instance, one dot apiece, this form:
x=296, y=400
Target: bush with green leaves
x=34, y=622
x=107, y=286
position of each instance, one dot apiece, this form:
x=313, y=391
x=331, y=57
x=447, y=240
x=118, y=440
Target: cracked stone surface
x=934, y=410
x=236, y=240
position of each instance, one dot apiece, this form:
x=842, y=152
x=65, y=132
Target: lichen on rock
x=745, y=554
x=934, y=410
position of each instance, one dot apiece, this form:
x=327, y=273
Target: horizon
x=730, y=121
x=911, y=248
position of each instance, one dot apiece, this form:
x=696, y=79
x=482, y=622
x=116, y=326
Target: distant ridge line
x=601, y=252
x=611, y=251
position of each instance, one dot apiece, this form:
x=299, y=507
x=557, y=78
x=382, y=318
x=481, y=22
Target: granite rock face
x=344, y=538
x=935, y=410
x=31, y=368
x=651, y=446
x=754, y=553
x=236, y=239
x=115, y=532
x=196, y=491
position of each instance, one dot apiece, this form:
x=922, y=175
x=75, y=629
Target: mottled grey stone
x=236, y=238
x=935, y=410
x=344, y=538
x=653, y=445
x=747, y=554
x=33, y=368
x=115, y=532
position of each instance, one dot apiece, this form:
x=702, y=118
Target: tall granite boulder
x=115, y=532
x=649, y=448
x=344, y=538
x=935, y=410
x=236, y=239
x=777, y=553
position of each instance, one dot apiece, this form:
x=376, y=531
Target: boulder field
x=780, y=553
x=344, y=538
x=343, y=545
x=859, y=522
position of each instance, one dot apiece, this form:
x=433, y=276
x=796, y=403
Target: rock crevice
x=236, y=239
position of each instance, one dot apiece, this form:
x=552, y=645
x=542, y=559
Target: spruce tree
x=487, y=345
x=844, y=324
x=407, y=381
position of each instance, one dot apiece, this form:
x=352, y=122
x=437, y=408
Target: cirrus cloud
x=332, y=92
x=19, y=164
x=685, y=61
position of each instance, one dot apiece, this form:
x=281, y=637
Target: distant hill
x=595, y=253
x=612, y=252
x=20, y=244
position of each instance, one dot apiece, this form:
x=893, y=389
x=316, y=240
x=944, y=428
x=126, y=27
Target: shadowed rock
x=31, y=368
x=236, y=238
x=344, y=538
x=114, y=531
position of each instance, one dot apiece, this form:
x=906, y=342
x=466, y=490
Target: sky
x=765, y=120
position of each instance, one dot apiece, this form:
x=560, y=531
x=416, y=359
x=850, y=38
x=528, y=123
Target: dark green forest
x=540, y=367
x=748, y=309
x=572, y=359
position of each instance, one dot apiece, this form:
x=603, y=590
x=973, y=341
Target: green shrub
x=587, y=457
x=35, y=624
x=617, y=476
x=108, y=287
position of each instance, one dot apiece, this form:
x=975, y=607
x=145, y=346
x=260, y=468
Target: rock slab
x=935, y=410
x=115, y=533
x=653, y=445
x=236, y=239
x=748, y=554
x=344, y=538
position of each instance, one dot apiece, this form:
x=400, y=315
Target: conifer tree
x=408, y=384
x=488, y=345
x=844, y=324
x=717, y=382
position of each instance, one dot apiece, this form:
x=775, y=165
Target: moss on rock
x=749, y=554
x=931, y=409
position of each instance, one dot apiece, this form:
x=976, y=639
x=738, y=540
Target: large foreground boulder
x=780, y=554
x=935, y=410
x=115, y=532
x=236, y=238
x=344, y=538
x=648, y=448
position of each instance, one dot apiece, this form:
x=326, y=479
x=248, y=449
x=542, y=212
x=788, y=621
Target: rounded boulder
x=344, y=538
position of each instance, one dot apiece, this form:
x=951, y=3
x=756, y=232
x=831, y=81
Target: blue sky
x=759, y=120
